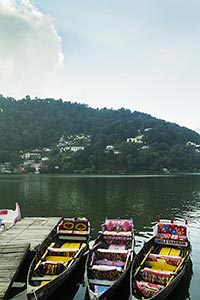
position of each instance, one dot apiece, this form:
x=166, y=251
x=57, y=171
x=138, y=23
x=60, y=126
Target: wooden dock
x=15, y=244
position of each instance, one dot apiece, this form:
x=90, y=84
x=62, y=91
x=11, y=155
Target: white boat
x=9, y=217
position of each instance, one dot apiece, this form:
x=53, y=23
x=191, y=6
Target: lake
x=142, y=197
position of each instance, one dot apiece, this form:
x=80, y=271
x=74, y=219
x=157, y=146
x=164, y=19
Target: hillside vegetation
x=154, y=145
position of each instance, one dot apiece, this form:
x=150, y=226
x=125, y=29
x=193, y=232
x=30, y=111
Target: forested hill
x=153, y=144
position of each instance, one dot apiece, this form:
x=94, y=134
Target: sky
x=142, y=55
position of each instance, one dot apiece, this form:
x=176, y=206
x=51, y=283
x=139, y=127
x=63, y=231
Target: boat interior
x=69, y=241
x=107, y=263
x=161, y=263
x=55, y=260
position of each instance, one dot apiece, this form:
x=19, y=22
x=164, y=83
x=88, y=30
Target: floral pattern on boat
x=155, y=276
x=51, y=268
x=171, y=260
x=105, y=272
x=148, y=289
x=118, y=255
x=171, y=231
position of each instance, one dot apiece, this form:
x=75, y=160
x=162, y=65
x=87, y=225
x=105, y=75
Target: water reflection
x=142, y=197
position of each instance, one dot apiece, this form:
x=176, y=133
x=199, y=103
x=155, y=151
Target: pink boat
x=9, y=217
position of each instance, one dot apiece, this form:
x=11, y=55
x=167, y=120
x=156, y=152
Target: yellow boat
x=58, y=258
x=161, y=263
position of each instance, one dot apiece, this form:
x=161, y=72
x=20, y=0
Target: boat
x=9, y=217
x=58, y=258
x=109, y=261
x=161, y=263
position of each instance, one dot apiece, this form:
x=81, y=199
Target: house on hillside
x=138, y=139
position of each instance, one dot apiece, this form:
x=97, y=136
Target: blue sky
x=142, y=55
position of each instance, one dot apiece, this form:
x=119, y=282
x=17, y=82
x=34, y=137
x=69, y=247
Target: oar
x=178, y=268
x=137, y=270
x=73, y=258
x=93, y=248
x=43, y=256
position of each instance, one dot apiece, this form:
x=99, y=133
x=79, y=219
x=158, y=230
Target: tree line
x=28, y=123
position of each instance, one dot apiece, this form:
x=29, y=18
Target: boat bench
x=152, y=276
x=71, y=227
x=110, y=263
x=171, y=260
x=111, y=254
x=43, y=278
x=118, y=236
x=171, y=232
x=101, y=282
x=105, y=272
x=118, y=229
x=62, y=251
x=148, y=289
x=51, y=268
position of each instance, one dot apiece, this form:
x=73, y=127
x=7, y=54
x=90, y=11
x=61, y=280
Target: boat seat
x=162, y=262
x=73, y=232
x=123, y=251
x=170, y=251
x=63, y=254
x=172, y=232
x=70, y=227
x=43, y=278
x=156, y=276
x=51, y=268
x=148, y=289
x=112, y=255
x=118, y=229
x=110, y=263
x=170, y=236
x=105, y=272
x=101, y=282
x=118, y=236
x=175, y=252
x=104, y=268
x=57, y=258
x=169, y=259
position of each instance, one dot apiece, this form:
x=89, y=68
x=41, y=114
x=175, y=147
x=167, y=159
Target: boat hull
x=109, y=262
x=167, y=290
x=49, y=290
x=119, y=290
x=42, y=282
x=9, y=217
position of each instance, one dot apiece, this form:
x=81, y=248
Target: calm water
x=142, y=197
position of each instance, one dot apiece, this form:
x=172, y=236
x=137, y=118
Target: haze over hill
x=197, y=130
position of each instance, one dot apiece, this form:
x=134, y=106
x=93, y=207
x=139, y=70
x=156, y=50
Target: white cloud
x=30, y=53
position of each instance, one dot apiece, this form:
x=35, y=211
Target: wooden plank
x=14, y=243
x=9, y=267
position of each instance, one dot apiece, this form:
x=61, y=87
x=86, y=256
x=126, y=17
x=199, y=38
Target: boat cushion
x=105, y=272
x=117, y=225
x=126, y=225
x=51, y=268
x=3, y=211
x=171, y=236
x=155, y=276
x=110, y=225
x=110, y=263
x=148, y=289
x=72, y=226
x=171, y=260
x=172, y=231
x=164, y=228
x=114, y=255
